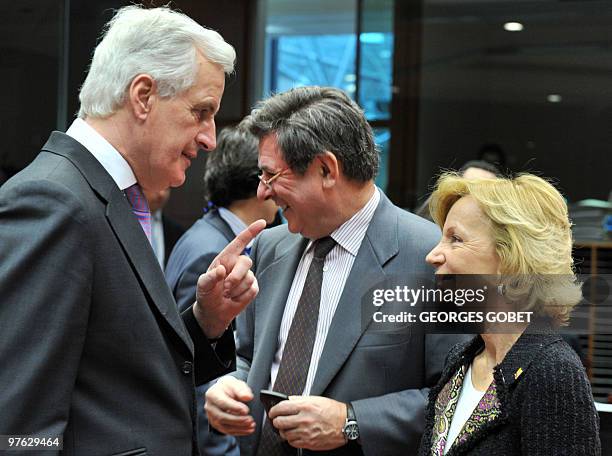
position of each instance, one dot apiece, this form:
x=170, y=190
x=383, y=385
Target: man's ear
x=329, y=169
x=141, y=95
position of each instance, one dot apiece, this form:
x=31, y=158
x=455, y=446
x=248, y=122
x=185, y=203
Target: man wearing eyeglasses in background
x=356, y=392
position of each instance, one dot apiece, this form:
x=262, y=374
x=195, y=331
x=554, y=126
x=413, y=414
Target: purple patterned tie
x=140, y=208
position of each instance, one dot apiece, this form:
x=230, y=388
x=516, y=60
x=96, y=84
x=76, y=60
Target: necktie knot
x=140, y=207
x=137, y=199
x=323, y=246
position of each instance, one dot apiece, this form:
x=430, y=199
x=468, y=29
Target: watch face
x=351, y=430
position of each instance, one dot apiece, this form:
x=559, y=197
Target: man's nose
x=207, y=136
x=263, y=192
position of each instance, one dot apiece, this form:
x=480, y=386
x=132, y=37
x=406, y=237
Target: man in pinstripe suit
x=363, y=391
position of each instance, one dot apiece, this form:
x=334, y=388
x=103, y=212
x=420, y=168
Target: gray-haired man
x=93, y=347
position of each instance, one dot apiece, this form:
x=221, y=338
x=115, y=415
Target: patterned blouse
x=487, y=410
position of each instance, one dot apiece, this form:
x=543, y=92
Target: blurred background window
x=316, y=43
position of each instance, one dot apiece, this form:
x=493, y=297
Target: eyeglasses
x=268, y=182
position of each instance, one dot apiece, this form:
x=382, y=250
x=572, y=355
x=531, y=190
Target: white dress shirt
x=336, y=269
x=158, y=240
x=109, y=157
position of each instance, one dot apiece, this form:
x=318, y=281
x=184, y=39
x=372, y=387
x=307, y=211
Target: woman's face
x=467, y=245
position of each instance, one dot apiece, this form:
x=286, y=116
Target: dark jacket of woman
x=539, y=403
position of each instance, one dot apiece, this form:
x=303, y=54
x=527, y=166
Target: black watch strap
x=351, y=428
x=350, y=412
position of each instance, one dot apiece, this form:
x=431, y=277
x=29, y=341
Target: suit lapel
x=125, y=226
x=138, y=250
x=378, y=246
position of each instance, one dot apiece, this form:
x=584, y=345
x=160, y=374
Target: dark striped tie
x=140, y=208
x=294, y=365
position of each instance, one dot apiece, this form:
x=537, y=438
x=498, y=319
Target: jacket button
x=187, y=367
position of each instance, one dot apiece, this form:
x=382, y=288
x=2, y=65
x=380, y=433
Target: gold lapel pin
x=518, y=373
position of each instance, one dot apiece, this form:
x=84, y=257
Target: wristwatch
x=350, y=429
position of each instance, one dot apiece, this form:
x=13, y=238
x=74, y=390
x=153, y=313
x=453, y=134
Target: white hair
x=159, y=42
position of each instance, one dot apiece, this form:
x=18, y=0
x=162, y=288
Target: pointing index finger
x=237, y=246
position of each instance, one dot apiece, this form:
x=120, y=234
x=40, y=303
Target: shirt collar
x=235, y=223
x=109, y=157
x=350, y=234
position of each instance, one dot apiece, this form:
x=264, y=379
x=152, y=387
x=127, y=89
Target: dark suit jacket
x=93, y=347
x=545, y=402
x=172, y=233
x=383, y=374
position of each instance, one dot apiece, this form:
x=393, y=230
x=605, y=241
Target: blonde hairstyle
x=533, y=239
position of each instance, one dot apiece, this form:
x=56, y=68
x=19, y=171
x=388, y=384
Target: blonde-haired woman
x=517, y=392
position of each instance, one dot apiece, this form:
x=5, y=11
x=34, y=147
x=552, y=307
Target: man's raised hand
x=228, y=286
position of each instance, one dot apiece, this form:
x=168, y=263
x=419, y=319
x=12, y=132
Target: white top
x=603, y=407
x=468, y=400
x=109, y=157
x=337, y=266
